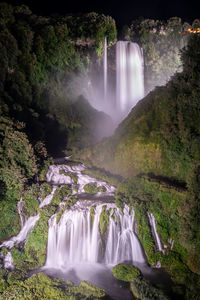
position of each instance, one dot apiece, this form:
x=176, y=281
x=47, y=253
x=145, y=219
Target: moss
x=45, y=190
x=91, y=188
x=125, y=272
x=92, y=213
x=60, y=213
x=37, y=286
x=104, y=221
x=61, y=193
x=30, y=201
x=169, y=204
x=3, y=285
x=103, y=175
x=88, y=290
x=101, y=189
x=4, y=251
x=40, y=286
x=36, y=246
x=75, y=189
x=72, y=175
x=143, y=290
x=9, y=219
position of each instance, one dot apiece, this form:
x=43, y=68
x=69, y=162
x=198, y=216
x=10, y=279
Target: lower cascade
x=80, y=236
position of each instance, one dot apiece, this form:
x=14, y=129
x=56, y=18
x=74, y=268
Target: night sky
x=122, y=11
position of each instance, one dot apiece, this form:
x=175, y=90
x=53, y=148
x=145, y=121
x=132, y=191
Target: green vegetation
x=156, y=149
x=91, y=188
x=17, y=166
x=88, y=290
x=161, y=42
x=104, y=221
x=30, y=200
x=72, y=175
x=102, y=175
x=125, y=272
x=143, y=290
x=40, y=286
x=45, y=63
x=140, y=288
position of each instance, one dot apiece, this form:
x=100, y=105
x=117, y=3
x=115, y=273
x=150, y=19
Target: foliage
x=17, y=165
x=142, y=289
x=40, y=286
x=72, y=175
x=102, y=175
x=91, y=188
x=161, y=42
x=125, y=272
x=104, y=221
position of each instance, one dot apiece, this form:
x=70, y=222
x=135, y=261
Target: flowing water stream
x=90, y=237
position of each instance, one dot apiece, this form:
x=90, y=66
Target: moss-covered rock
x=45, y=189
x=126, y=272
x=102, y=175
x=104, y=221
x=40, y=286
x=36, y=245
x=72, y=175
x=91, y=188
x=88, y=290
x=30, y=202
x=142, y=289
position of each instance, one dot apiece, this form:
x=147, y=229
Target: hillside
x=156, y=150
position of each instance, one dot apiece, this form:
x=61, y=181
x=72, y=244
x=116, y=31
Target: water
x=76, y=238
x=55, y=177
x=130, y=77
x=77, y=250
x=26, y=227
x=152, y=222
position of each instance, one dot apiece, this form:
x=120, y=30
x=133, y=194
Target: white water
x=19, y=209
x=23, y=234
x=48, y=198
x=26, y=227
x=76, y=239
x=105, y=68
x=8, y=261
x=155, y=233
x=130, y=77
x=54, y=177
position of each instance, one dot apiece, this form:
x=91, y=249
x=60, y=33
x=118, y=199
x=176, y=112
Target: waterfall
x=76, y=238
x=23, y=234
x=130, y=78
x=152, y=222
x=105, y=68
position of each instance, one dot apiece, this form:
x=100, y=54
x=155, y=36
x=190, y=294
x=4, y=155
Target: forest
x=152, y=158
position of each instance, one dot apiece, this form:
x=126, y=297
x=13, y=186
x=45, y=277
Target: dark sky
x=123, y=11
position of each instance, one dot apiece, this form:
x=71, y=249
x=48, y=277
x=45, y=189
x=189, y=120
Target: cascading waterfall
x=105, y=68
x=26, y=227
x=77, y=239
x=130, y=78
x=152, y=222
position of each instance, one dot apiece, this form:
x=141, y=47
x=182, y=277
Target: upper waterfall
x=130, y=77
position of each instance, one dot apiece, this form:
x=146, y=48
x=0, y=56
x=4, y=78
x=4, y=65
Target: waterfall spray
x=130, y=78
x=105, y=65
x=77, y=237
